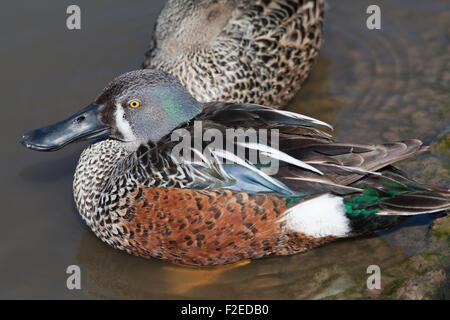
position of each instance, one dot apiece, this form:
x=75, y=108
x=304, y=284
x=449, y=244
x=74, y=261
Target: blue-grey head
x=135, y=108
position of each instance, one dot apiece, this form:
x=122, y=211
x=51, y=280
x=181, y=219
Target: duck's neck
x=97, y=206
x=108, y=175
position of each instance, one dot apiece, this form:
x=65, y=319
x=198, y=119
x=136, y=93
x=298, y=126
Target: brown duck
x=257, y=51
x=216, y=205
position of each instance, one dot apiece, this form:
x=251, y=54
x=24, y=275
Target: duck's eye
x=134, y=104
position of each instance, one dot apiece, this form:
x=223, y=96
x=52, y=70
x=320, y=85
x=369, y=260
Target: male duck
x=138, y=193
x=257, y=51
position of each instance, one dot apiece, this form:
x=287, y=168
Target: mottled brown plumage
x=243, y=51
x=203, y=227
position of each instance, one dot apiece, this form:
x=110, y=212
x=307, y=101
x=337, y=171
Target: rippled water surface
x=373, y=86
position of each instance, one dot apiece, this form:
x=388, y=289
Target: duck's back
x=238, y=50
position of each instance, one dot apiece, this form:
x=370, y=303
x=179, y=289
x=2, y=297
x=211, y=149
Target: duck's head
x=190, y=25
x=135, y=108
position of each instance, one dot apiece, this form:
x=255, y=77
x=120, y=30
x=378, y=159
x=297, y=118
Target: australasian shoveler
x=245, y=51
x=137, y=195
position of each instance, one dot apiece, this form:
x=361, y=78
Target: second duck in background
x=238, y=50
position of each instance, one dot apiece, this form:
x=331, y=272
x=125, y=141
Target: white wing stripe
x=302, y=117
x=277, y=154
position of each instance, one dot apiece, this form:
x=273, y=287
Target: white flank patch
x=123, y=126
x=319, y=217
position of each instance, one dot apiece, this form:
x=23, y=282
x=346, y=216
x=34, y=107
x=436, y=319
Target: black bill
x=85, y=124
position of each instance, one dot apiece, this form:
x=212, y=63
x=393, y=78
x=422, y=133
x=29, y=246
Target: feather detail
x=279, y=155
x=302, y=118
x=320, y=216
x=235, y=159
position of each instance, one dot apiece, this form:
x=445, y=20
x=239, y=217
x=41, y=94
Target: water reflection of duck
x=238, y=50
x=136, y=194
x=326, y=271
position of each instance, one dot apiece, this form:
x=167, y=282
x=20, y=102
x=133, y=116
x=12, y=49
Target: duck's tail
x=382, y=201
x=389, y=198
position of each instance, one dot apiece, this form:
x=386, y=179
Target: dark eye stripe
x=107, y=116
x=107, y=113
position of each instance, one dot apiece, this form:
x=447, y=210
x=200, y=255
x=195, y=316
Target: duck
x=238, y=50
x=171, y=178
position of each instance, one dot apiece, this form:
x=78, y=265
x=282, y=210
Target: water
x=372, y=86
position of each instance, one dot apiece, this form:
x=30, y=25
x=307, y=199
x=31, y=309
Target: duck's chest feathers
x=106, y=183
x=93, y=173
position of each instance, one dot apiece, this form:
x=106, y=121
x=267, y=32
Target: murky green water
x=373, y=86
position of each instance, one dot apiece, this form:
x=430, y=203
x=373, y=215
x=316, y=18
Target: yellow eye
x=134, y=104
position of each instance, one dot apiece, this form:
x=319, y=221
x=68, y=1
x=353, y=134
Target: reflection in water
x=320, y=273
